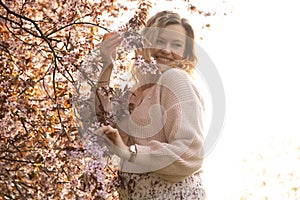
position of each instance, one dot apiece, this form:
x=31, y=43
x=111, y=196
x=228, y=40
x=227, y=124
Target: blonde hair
x=153, y=28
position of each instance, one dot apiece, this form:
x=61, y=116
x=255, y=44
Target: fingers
x=106, y=130
x=113, y=141
x=110, y=35
x=112, y=41
x=109, y=45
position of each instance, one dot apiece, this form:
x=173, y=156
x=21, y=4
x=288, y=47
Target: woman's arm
x=107, y=52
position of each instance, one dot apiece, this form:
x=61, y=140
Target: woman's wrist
x=123, y=152
x=105, y=76
x=102, y=83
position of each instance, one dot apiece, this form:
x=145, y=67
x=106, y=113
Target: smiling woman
x=170, y=40
x=170, y=45
x=160, y=142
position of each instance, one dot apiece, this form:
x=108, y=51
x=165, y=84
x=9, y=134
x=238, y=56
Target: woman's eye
x=160, y=42
x=177, y=45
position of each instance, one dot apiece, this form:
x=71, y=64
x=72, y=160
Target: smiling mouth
x=163, y=60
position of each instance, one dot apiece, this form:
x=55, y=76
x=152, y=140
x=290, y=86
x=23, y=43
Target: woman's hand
x=108, y=46
x=108, y=53
x=114, y=141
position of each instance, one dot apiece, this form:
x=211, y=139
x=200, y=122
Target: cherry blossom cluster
x=98, y=172
x=146, y=67
x=132, y=41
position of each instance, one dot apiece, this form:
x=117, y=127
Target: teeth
x=164, y=59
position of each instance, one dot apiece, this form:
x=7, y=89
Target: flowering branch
x=43, y=46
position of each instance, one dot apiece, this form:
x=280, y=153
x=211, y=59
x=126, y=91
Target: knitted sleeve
x=181, y=154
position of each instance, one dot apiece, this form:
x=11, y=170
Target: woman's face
x=170, y=45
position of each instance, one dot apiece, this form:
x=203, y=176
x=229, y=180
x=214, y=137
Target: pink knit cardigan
x=166, y=126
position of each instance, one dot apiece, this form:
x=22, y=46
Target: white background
x=256, y=51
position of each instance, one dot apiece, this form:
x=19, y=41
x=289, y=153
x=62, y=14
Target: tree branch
x=78, y=23
x=20, y=25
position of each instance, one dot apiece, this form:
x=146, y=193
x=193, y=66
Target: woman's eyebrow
x=175, y=40
x=160, y=38
x=181, y=41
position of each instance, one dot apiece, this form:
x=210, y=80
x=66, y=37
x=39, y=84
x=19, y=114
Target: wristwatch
x=132, y=150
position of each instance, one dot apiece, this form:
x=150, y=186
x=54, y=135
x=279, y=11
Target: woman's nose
x=166, y=49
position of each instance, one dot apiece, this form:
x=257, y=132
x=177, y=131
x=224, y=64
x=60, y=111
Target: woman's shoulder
x=176, y=80
x=174, y=74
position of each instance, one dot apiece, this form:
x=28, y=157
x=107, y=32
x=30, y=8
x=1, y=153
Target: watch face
x=132, y=149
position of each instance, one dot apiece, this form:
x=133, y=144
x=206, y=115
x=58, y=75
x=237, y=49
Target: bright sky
x=255, y=50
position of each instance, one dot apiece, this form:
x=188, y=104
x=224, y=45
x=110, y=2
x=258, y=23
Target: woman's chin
x=162, y=67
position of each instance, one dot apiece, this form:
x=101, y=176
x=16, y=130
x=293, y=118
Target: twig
x=78, y=23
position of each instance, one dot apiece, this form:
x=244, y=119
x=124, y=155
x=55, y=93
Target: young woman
x=161, y=141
